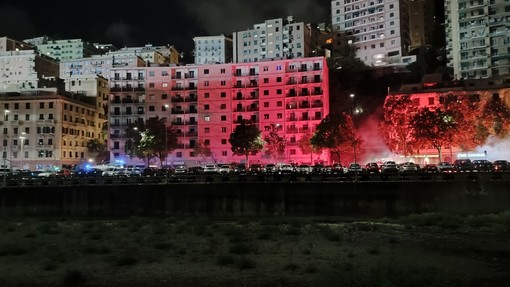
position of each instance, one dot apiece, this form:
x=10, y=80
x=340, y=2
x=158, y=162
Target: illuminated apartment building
x=432, y=94
x=379, y=29
x=204, y=104
x=46, y=130
x=477, y=41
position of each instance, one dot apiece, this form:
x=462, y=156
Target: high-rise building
x=204, y=104
x=378, y=29
x=477, y=41
x=274, y=39
x=66, y=49
x=213, y=50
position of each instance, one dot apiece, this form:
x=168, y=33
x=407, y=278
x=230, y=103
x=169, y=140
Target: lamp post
x=166, y=140
x=22, y=139
x=353, y=112
x=4, y=154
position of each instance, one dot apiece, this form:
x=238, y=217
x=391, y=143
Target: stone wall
x=375, y=199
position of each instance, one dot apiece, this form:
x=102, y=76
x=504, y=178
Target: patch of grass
x=437, y=219
x=239, y=248
x=74, y=278
x=13, y=249
x=245, y=263
x=163, y=245
x=291, y=267
x=225, y=259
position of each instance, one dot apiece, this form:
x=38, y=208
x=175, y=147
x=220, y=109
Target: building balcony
x=191, y=134
x=177, y=99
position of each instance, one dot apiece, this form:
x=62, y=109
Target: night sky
x=156, y=22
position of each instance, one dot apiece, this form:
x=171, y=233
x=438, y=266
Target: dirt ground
x=437, y=250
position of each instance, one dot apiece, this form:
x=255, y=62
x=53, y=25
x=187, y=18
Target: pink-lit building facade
x=204, y=104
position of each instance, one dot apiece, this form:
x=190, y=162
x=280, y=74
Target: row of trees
x=154, y=139
x=464, y=121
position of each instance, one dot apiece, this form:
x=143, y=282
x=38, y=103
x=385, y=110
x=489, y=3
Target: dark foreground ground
x=432, y=249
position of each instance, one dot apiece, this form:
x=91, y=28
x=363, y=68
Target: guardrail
x=259, y=178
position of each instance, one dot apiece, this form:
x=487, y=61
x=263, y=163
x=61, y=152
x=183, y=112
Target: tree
x=134, y=136
x=433, y=127
x=164, y=138
x=275, y=144
x=470, y=131
x=246, y=139
x=201, y=149
x=337, y=133
x=496, y=115
x=395, y=126
x=150, y=139
x=97, y=149
x=305, y=144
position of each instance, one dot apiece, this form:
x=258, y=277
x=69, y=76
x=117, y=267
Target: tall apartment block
x=273, y=39
x=204, y=104
x=478, y=42
x=60, y=50
x=213, y=50
x=379, y=29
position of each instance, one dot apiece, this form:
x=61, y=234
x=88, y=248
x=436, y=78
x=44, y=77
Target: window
x=207, y=142
x=207, y=118
x=223, y=141
x=206, y=83
x=206, y=71
x=278, y=79
x=206, y=95
x=266, y=80
x=224, y=153
x=206, y=107
x=266, y=116
x=279, y=91
x=223, y=94
x=223, y=118
x=279, y=115
x=266, y=92
x=223, y=106
x=223, y=83
x=223, y=129
x=266, y=104
x=279, y=104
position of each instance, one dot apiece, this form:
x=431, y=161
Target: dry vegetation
x=419, y=250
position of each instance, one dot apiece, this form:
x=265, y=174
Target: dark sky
x=157, y=22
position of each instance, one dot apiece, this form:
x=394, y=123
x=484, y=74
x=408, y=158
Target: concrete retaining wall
x=254, y=199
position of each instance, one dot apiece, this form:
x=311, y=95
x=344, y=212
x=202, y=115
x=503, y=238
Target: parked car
x=304, y=169
x=445, y=166
x=482, y=165
x=354, y=168
x=430, y=168
x=463, y=165
x=372, y=168
x=389, y=166
x=501, y=165
x=180, y=169
x=256, y=168
x=270, y=168
x=210, y=168
x=408, y=166
x=286, y=169
x=337, y=168
x=225, y=169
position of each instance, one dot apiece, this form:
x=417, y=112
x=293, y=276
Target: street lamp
x=4, y=154
x=353, y=112
x=166, y=140
x=22, y=138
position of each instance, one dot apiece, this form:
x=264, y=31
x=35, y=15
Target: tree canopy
x=150, y=139
x=246, y=139
x=337, y=133
x=275, y=144
x=433, y=127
